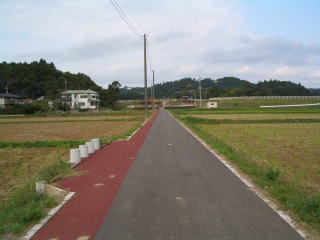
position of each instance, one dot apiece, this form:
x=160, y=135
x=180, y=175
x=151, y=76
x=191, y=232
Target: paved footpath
x=176, y=189
x=104, y=171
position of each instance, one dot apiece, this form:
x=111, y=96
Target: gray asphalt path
x=176, y=189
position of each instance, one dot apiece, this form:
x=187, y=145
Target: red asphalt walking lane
x=81, y=216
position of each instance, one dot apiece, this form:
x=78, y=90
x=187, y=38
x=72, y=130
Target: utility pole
x=153, y=98
x=7, y=90
x=200, y=92
x=66, y=95
x=145, y=79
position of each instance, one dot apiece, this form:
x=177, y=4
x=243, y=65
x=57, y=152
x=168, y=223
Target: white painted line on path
x=43, y=221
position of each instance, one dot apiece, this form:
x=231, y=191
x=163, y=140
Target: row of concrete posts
x=84, y=151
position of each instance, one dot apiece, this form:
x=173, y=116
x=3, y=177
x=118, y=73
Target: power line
x=149, y=56
x=125, y=18
x=131, y=13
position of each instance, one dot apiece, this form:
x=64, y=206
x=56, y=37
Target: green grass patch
x=247, y=121
x=54, y=171
x=288, y=110
x=93, y=120
x=29, y=144
x=25, y=206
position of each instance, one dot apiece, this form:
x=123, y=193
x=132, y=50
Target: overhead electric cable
x=125, y=18
x=131, y=14
x=149, y=56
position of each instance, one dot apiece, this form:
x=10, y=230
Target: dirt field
x=291, y=148
x=63, y=130
x=18, y=166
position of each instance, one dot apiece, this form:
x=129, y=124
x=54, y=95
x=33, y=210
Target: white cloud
x=187, y=38
x=315, y=74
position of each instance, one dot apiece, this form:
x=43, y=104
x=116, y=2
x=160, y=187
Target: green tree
x=113, y=94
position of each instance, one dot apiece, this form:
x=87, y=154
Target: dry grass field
x=69, y=118
x=256, y=116
x=18, y=166
x=294, y=149
x=63, y=130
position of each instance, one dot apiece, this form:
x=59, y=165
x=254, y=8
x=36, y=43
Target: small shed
x=212, y=104
x=8, y=99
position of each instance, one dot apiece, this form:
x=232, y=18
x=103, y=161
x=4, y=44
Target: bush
x=50, y=173
x=272, y=175
x=30, y=108
x=312, y=206
x=83, y=109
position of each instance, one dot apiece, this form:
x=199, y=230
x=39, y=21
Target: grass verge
x=87, y=120
x=296, y=110
x=247, y=121
x=25, y=206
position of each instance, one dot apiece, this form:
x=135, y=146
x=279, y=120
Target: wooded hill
x=227, y=87
x=35, y=79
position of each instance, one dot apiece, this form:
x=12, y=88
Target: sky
x=251, y=39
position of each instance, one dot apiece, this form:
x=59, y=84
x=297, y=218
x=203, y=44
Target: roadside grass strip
x=292, y=192
x=304, y=110
x=25, y=206
x=31, y=144
x=247, y=121
x=87, y=120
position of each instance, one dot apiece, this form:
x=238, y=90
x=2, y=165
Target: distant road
x=176, y=189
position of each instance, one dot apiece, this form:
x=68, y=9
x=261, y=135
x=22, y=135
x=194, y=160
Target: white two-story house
x=81, y=99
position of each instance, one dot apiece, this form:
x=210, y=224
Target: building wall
x=2, y=103
x=83, y=102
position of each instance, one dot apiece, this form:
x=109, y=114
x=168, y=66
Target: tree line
x=222, y=87
x=40, y=78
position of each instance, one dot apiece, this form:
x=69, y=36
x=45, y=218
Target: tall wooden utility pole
x=200, y=92
x=153, y=98
x=145, y=79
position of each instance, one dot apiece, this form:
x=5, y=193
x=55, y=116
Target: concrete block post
x=75, y=156
x=40, y=186
x=96, y=143
x=84, y=151
x=90, y=147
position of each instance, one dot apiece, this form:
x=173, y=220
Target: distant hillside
x=227, y=86
x=31, y=80
x=185, y=86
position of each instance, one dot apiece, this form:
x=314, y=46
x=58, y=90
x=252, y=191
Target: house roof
x=88, y=91
x=94, y=100
x=8, y=95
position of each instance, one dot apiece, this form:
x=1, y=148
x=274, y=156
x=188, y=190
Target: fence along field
x=33, y=147
x=282, y=158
